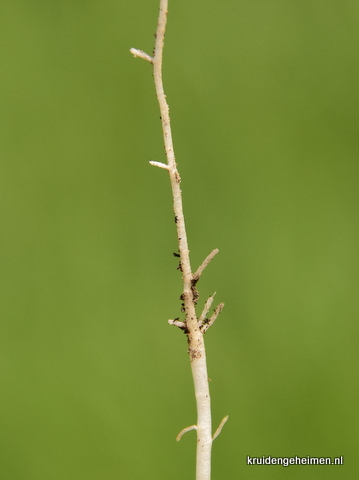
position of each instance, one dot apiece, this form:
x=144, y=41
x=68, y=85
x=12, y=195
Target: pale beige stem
x=195, y=337
x=189, y=296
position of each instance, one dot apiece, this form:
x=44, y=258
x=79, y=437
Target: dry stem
x=193, y=327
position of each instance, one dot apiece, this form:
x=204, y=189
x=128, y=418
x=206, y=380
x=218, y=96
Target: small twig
x=177, y=323
x=210, y=321
x=197, y=274
x=140, y=53
x=185, y=430
x=205, y=310
x=220, y=426
x=159, y=164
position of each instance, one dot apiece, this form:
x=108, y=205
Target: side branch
x=197, y=274
x=206, y=308
x=208, y=322
x=220, y=426
x=159, y=164
x=185, y=430
x=140, y=53
x=178, y=323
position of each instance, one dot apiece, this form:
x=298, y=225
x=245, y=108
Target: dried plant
x=194, y=326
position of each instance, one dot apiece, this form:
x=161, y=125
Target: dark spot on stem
x=194, y=353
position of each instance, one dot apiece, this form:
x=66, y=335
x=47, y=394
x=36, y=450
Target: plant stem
x=195, y=337
x=194, y=329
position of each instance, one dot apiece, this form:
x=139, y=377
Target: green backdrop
x=264, y=103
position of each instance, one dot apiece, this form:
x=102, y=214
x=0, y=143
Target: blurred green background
x=264, y=102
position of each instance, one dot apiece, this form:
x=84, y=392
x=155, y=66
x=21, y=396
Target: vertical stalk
x=195, y=337
x=194, y=327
